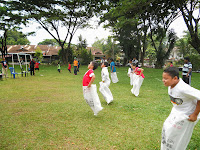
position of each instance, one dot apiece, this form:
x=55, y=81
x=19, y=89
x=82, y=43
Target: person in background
x=69, y=67
x=4, y=67
x=78, y=66
x=75, y=66
x=103, y=60
x=32, y=67
x=171, y=64
x=37, y=66
x=187, y=71
x=58, y=67
x=135, y=61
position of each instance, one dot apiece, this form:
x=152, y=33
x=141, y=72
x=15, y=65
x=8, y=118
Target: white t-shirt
x=186, y=68
x=184, y=98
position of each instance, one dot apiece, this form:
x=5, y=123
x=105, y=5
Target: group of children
x=178, y=127
x=90, y=90
x=76, y=64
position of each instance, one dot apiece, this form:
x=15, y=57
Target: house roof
x=46, y=49
x=95, y=51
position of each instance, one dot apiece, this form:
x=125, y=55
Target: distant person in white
x=103, y=60
x=187, y=71
x=178, y=127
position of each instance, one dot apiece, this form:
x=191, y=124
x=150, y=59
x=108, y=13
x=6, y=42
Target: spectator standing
x=32, y=67
x=187, y=71
x=4, y=67
x=75, y=66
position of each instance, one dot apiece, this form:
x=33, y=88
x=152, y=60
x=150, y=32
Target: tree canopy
x=53, y=14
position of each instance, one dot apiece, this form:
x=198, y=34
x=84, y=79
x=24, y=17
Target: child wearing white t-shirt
x=178, y=127
x=105, y=83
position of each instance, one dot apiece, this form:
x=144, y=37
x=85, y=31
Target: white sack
x=114, y=77
x=137, y=84
x=129, y=71
x=134, y=76
x=92, y=98
x=105, y=91
x=177, y=131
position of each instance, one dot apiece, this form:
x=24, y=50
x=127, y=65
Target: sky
x=89, y=34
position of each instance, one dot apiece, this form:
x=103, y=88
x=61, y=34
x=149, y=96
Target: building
x=96, y=53
x=50, y=53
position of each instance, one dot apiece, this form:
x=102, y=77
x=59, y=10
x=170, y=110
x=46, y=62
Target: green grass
x=47, y=111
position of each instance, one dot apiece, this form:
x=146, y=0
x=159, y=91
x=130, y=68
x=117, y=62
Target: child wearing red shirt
x=90, y=90
x=138, y=79
x=37, y=66
x=69, y=67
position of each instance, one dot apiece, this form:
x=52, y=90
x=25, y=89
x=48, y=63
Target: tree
x=53, y=14
x=51, y=42
x=187, y=8
x=38, y=54
x=86, y=56
x=99, y=44
x=111, y=49
x=9, y=19
x=82, y=43
x=15, y=37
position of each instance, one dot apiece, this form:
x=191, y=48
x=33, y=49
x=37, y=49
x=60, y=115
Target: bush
x=195, y=60
x=86, y=57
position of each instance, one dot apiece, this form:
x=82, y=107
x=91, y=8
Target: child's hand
x=89, y=85
x=192, y=117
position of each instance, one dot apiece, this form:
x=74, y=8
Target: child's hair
x=106, y=64
x=134, y=64
x=172, y=71
x=111, y=59
x=187, y=58
x=95, y=65
x=171, y=62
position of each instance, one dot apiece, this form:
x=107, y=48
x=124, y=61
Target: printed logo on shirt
x=177, y=101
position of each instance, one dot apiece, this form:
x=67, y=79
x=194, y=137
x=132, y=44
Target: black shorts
x=37, y=69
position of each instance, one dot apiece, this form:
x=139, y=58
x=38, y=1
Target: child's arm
x=112, y=68
x=92, y=80
x=193, y=116
x=140, y=69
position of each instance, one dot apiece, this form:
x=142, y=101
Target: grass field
x=47, y=111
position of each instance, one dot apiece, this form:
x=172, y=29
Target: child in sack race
x=113, y=71
x=178, y=127
x=137, y=80
x=105, y=83
x=90, y=90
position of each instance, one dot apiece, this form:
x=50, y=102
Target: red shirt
x=87, y=77
x=138, y=72
x=37, y=65
x=69, y=67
